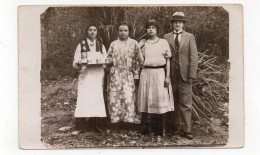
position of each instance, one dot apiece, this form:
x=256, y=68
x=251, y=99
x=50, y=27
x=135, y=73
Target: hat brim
x=178, y=18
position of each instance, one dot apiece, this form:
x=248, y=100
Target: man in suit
x=184, y=64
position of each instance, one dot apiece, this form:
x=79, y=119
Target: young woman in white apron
x=90, y=100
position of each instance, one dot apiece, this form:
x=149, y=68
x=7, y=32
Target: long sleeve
x=77, y=57
x=110, y=52
x=135, y=63
x=193, y=58
x=109, y=55
x=104, y=51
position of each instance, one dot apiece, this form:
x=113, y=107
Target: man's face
x=178, y=25
x=123, y=31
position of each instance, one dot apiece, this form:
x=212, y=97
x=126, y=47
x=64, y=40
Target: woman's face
x=151, y=30
x=92, y=32
x=178, y=25
x=123, y=31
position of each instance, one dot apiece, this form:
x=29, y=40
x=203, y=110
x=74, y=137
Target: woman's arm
x=110, y=52
x=139, y=52
x=136, y=63
x=77, y=58
x=168, y=68
x=104, y=53
x=140, y=56
x=167, y=56
x=109, y=55
x=167, y=75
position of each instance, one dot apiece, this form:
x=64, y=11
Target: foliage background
x=62, y=28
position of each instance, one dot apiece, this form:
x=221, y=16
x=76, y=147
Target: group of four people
x=162, y=69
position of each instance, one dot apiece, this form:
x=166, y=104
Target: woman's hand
x=109, y=59
x=141, y=43
x=166, y=56
x=79, y=63
x=166, y=82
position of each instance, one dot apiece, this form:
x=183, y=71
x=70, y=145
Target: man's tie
x=177, y=40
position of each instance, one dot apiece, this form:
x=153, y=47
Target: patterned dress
x=121, y=86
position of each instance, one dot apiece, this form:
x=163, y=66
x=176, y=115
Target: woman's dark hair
x=152, y=23
x=125, y=23
x=86, y=32
x=88, y=26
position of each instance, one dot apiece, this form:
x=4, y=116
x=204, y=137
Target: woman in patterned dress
x=155, y=96
x=123, y=74
x=90, y=100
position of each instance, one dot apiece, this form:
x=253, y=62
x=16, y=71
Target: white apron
x=90, y=100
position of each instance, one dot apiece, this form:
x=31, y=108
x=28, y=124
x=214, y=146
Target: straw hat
x=178, y=16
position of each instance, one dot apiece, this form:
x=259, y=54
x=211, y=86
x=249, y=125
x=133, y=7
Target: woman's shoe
x=177, y=131
x=158, y=131
x=76, y=132
x=144, y=130
x=188, y=135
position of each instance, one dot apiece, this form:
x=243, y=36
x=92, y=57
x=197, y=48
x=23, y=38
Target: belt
x=153, y=67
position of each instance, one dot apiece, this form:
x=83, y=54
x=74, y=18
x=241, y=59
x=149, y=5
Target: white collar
x=90, y=42
x=153, y=41
x=177, y=31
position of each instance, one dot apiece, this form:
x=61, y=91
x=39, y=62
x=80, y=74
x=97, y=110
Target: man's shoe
x=188, y=135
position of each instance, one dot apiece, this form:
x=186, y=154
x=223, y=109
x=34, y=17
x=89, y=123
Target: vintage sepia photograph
x=134, y=76
x=131, y=76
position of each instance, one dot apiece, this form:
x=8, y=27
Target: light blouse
x=92, y=54
x=156, y=52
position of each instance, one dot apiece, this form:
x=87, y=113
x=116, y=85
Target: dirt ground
x=58, y=105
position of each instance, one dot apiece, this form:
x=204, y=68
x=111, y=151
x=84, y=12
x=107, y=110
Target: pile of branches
x=211, y=88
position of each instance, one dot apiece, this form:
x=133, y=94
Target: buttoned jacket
x=188, y=55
